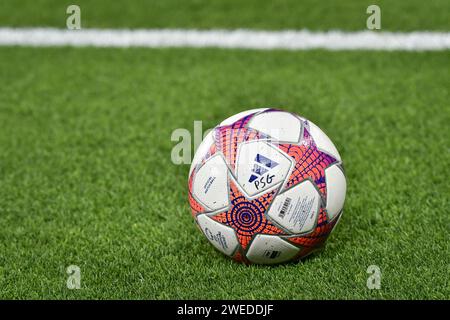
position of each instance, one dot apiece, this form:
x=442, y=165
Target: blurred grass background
x=254, y=14
x=86, y=176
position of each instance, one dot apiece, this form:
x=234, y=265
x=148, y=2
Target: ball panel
x=322, y=141
x=228, y=139
x=202, y=151
x=260, y=167
x=309, y=163
x=210, y=186
x=336, y=189
x=267, y=249
x=320, y=234
x=279, y=125
x=222, y=237
x=296, y=209
x=196, y=207
x=240, y=115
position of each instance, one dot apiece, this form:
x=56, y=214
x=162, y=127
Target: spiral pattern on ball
x=246, y=217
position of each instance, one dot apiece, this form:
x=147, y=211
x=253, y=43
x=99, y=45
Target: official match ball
x=267, y=186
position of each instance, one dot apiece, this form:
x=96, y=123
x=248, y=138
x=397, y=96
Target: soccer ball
x=267, y=186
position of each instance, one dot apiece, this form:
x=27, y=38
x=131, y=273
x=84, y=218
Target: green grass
x=86, y=176
x=257, y=14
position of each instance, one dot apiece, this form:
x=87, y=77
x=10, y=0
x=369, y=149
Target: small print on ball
x=267, y=186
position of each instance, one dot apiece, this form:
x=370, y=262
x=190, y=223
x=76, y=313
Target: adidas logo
x=261, y=166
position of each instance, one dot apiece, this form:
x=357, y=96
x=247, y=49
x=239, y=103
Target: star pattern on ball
x=247, y=217
x=309, y=162
x=228, y=138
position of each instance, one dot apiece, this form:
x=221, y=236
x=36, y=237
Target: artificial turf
x=86, y=176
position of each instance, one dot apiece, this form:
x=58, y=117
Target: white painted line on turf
x=237, y=39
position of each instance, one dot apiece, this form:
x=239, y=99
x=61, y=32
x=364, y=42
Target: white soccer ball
x=267, y=186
